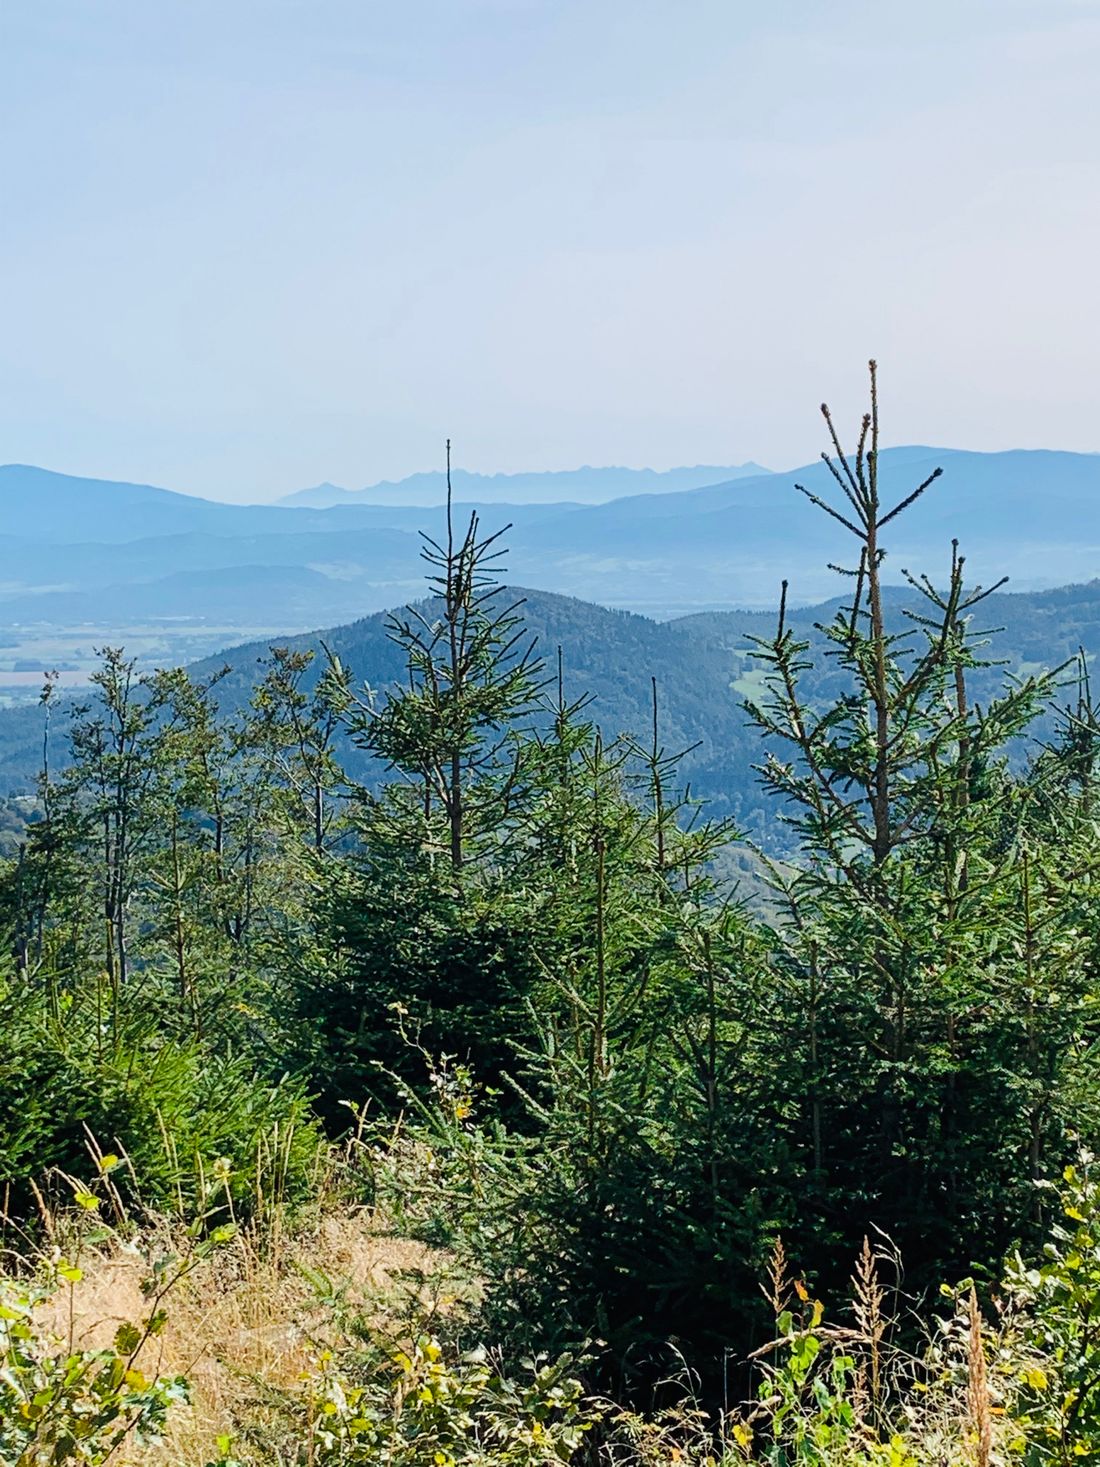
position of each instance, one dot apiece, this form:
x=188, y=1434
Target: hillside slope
x=612, y=655
x=703, y=665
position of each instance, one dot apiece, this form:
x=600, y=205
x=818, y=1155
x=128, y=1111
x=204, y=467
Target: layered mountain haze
x=175, y=576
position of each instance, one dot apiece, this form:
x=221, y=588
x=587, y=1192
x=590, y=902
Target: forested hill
x=703, y=665
x=611, y=655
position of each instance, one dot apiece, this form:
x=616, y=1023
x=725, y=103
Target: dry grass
x=250, y=1321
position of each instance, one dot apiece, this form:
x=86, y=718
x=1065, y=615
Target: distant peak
x=317, y=496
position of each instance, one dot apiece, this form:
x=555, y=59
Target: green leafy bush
x=426, y=1408
x=1053, y=1333
x=63, y=1405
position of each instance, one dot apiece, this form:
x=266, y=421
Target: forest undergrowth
x=475, y=1117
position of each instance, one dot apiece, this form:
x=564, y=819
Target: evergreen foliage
x=563, y=1044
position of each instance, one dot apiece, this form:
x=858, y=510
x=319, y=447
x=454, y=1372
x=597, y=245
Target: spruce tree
x=454, y=733
x=904, y=980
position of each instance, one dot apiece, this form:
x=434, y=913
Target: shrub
x=1053, y=1332
x=455, y=1412
x=59, y=1404
x=178, y=1112
x=413, y=958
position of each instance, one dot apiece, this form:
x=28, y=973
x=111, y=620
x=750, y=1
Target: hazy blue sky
x=247, y=245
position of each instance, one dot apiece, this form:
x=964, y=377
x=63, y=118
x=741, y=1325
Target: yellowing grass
x=248, y=1324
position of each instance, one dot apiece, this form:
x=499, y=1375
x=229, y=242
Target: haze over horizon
x=248, y=249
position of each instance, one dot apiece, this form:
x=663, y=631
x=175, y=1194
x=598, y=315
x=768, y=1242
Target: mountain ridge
x=1034, y=514
x=587, y=484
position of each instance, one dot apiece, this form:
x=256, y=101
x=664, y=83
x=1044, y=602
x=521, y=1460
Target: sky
x=251, y=245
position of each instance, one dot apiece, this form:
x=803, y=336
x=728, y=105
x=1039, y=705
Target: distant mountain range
x=577, y=486
x=173, y=577
x=80, y=553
